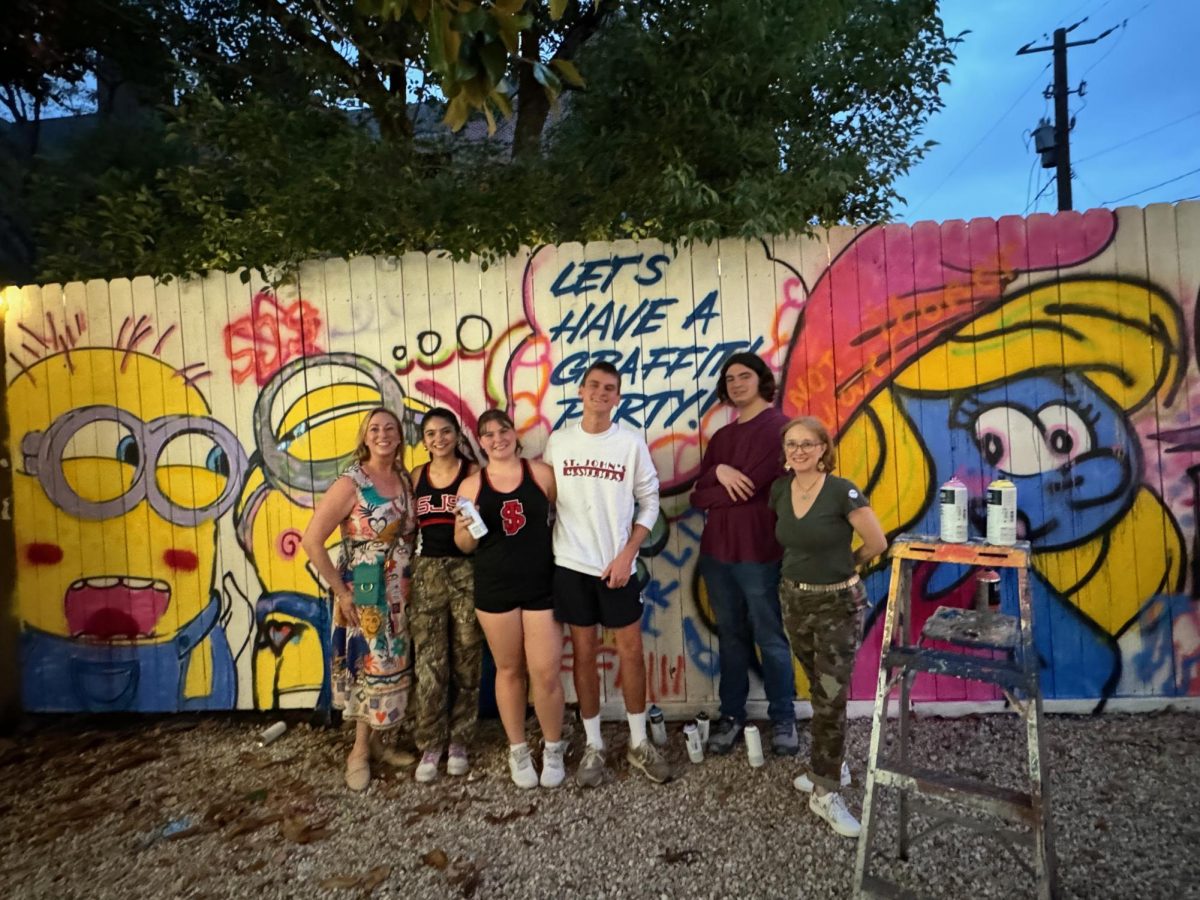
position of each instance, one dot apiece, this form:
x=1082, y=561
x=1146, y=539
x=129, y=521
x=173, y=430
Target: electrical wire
x=1138, y=137
x=1038, y=196
x=1153, y=186
x=912, y=211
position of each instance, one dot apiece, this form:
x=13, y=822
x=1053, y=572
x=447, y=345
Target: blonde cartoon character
x=121, y=477
x=306, y=421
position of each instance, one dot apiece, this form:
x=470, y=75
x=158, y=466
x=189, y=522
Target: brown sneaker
x=646, y=756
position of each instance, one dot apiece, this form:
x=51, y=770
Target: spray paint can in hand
x=658, y=726
x=477, y=528
x=754, y=749
x=1002, y=513
x=952, y=508
x=702, y=727
x=691, y=737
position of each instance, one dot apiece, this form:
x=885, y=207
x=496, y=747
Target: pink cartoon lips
x=115, y=607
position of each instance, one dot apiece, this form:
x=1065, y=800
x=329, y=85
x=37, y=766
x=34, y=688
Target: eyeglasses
x=807, y=446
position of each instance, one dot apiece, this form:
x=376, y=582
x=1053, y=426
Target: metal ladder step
x=1014, y=806
x=1004, y=672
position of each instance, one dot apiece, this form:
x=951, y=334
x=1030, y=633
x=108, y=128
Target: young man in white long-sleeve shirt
x=604, y=478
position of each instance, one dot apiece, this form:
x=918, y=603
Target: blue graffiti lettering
x=591, y=275
x=705, y=312
x=657, y=596
x=703, y=657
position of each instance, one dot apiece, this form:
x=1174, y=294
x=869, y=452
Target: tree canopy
x=257, y=133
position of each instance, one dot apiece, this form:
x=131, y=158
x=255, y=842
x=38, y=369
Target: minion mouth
x=115, y=606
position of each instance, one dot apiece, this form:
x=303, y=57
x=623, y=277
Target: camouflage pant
x=824, y=629
x=449, y=651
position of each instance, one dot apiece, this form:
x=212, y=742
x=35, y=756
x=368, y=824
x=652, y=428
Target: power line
x=1153, y=186
x=1038, y=195
x=995, y=124
x=1138, y=137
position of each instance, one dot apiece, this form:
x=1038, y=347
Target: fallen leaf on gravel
x=501, y=818
x=252, y=823
x=340, y=881
x=436, y=858
x=256, y=796
x=298, y=831
x=680, y=856
x=465, y=877
x=375, y=877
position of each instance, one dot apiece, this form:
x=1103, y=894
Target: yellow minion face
x=121, y=475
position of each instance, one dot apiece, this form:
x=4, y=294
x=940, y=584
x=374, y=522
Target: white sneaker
x=457, y=762
x=427, y=769
x=803, y=783
x=520, y=766
x=553, y=770
x=832, y=808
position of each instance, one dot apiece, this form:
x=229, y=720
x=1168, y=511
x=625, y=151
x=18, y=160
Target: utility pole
x=1062, y=123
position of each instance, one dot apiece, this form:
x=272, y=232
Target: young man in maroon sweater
x=739, y=556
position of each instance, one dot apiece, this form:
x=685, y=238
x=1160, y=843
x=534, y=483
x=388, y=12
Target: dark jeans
x=745, y=598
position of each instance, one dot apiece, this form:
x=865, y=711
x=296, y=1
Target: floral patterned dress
x=372, y=664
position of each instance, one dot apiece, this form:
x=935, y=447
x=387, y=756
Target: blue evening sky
x=1144, y=77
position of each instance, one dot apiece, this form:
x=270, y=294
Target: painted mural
x=169, y=441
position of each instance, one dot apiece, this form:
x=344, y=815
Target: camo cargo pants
x=824, y=628
x=448, y=646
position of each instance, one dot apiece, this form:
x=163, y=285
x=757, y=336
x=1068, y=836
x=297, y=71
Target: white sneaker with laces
x=520, y=766
x=427, y=771
x=553, y=770
x=803, y=783
x=832, y=808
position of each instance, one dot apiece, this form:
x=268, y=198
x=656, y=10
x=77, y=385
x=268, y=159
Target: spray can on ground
x=754, y=749
x=272, y=734
x=477, y=528
x=691, y=737
x=952, y=508
x=702, y=727
x=1002, y=513
x=658, y=726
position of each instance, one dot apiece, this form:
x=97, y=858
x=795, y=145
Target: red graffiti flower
x=271, y=335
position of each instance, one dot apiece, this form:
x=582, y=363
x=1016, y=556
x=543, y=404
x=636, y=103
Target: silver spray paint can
x=477, y=528
x=754, y=749
x=691, y=737
x=952, y=509
x=702, y=727
x=272, y=734
x=658, y=726
x=1002, y=513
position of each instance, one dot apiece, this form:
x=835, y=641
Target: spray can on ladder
x=1002, y=513
x=952, y=509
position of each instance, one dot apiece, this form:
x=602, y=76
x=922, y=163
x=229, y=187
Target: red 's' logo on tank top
x=512, y=516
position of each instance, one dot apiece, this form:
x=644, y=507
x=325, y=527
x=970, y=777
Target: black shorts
x=585, y=600
x=503, y=602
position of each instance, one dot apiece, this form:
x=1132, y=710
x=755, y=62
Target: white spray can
x=1002, y=513
x=477, y=528
x=272, y=734
x=702, y=724
x=658, y=726
x=691, y=737
x=754, y=749
x=952, y=508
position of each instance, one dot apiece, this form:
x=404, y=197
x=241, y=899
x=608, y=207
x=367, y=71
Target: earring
x=820, y=465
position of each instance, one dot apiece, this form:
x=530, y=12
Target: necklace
x=806, y=493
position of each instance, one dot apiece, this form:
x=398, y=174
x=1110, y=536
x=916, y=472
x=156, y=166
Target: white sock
x=591, y=728
x=516, y=748
x=637, y=728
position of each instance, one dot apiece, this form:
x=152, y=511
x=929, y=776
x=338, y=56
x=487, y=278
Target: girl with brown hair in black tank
x=514, y=566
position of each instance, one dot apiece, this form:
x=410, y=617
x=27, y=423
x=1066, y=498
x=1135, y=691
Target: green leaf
x=557, y=8
x=495, y=60
x=569, y=73
x=508, y=7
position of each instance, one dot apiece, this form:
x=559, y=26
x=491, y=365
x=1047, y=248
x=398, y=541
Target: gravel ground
x=192, y=807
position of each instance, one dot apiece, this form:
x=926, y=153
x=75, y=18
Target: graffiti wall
x=169, y=441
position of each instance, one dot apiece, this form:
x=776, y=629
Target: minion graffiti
x=121, y=477
x=1038, y=385
x=305, y=426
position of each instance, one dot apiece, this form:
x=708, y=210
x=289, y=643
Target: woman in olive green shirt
x=822, y=598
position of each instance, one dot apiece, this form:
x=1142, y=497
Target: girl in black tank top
x=514, y=563
x=447, y=642
x=513, y=575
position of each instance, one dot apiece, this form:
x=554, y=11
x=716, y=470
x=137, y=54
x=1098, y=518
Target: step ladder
x=1016, y=674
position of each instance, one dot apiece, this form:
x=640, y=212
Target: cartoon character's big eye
x=1011, y=441
x=1067, y=434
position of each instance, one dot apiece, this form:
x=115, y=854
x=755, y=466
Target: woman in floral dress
x=372, y=503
